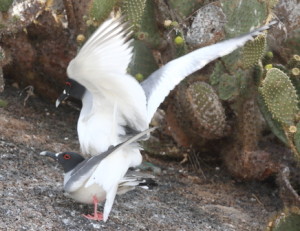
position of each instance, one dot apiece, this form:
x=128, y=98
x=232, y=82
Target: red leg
x=97, y=215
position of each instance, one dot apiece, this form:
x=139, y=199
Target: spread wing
x=158, y=85
x=101, y=67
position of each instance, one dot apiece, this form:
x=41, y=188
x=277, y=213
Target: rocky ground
x=31, y=185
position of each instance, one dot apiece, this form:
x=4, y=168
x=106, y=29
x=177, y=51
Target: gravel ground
x=31, y=185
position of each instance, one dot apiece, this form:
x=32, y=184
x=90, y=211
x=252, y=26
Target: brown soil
x=31, y=195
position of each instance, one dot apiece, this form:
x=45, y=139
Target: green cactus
x=280, y=96
x=219, y=69
x=185, y=8
x=134, y=11
x=288, y=220
x=242, y=15
x=5, y=4
x=230, y=86
x=274, y=125
x=100, y=9
x=258, y=73
x=149, y=26
x=142, y=62
x=141, y=15
x=3, y=103
x=272, y=3
x=253, y=51
x=232, y=61
x=202, y=105
x=297, y=137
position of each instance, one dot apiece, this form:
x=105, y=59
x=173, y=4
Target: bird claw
x=97, y=216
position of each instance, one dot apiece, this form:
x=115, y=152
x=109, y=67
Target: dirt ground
x=31, y=185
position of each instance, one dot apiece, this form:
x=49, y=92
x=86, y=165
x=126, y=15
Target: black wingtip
x=148, y=183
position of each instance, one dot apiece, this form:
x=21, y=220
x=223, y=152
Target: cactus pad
x=297, y=138
x=289, y=220
x=243, y=15
x=100, y=9
x=134, y=10
x=219, y=69
x=185, y=8
x=231, y=86
x=253, y=51
x=203, y=106
x=280, y=96
x=5, y=4
x=142, y=62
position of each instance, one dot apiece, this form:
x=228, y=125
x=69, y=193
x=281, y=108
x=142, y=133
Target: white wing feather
x=158, y=85
x=101, y=65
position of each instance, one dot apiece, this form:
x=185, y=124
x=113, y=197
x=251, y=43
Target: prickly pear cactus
x=185, y=8
x=215, y=76
x=149, y=29
x=287, y=220
x=5, y=4
x=141, y=15
x=297, y=137
x=203, y=113
x=280, y=96
x=232, y=86
x=134, y=11
x=253, y=51
x=143, y=63
x=243, y=15
x=274, y=125
x=279, y=103
x=207, y=113
x=100, y=9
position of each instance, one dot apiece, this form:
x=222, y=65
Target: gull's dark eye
x=67, y=156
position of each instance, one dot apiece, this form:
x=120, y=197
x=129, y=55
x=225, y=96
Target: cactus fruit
x=269, y=66
x=294, y=61
x=295, y=71
x=139, y=77
x=268, y=57
x=280, y=96
x=134, y=11
x=179, y=40
x=180, y=46
x=254, y=50
x=80, y=38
